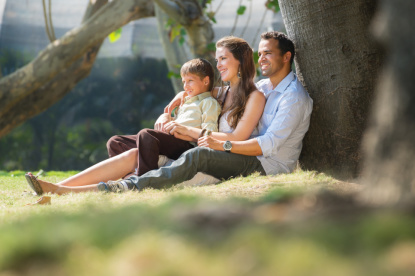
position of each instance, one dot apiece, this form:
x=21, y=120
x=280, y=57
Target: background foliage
x=121, y=96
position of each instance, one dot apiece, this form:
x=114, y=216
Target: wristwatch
x=227, y=146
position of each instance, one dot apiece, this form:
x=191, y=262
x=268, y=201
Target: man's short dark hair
x=284, y=43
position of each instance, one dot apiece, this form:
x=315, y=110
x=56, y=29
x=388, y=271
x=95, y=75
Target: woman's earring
x=239, y=74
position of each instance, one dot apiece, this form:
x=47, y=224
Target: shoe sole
x=33, y=183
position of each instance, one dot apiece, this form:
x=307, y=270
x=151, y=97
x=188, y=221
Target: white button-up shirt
x=283, y=124
x=200, y=111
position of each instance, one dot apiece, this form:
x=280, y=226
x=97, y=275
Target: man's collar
x=285, y=82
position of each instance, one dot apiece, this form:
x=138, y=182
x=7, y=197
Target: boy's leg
x=219, y=164
x=152, y=143
x=121, y=143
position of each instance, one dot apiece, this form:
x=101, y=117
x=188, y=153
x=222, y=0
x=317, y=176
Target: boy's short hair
x=199, y=67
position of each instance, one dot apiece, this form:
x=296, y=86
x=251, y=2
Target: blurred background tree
x=113, y=86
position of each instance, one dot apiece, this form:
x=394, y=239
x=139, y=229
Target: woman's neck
x=233, y=85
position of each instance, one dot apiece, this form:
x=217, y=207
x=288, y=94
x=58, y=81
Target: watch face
x=227, y=146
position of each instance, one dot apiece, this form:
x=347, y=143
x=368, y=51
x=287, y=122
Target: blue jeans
x=222, y=165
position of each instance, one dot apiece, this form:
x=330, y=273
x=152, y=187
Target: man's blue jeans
x=220, y=164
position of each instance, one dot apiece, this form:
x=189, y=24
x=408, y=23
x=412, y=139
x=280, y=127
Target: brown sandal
x=33, y=183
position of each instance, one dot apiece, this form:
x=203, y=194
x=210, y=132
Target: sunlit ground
x=280, y=225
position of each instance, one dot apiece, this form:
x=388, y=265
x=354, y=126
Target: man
x=282, y=127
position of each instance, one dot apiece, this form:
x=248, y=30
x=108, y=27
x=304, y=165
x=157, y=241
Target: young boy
x=199, y=110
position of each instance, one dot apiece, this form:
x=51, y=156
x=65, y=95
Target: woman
x=242, y=107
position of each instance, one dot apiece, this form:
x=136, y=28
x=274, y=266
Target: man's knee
x=197, y=155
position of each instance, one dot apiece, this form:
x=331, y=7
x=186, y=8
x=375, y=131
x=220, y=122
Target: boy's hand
x=161, y=121
x=173, y=127
x=177, y=101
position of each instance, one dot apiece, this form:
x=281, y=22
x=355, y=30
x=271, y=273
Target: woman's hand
x=177, y=101
x=162, y=121
x=173, y=127
x=210, y=142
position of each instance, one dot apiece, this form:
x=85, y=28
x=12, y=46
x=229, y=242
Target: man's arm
x=248, y=147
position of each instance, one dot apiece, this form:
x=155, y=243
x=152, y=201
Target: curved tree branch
x=56, y=70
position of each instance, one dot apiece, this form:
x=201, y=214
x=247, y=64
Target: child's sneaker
x=119, y=186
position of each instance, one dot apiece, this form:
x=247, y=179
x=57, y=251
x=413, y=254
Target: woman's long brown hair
x=241, y=50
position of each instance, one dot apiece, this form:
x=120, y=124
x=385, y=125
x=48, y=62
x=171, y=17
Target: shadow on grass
x=283, y=233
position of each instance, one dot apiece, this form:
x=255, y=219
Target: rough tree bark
x=390, y=141
x=338, y=64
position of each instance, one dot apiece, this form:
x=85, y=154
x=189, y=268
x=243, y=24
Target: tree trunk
x=390, y=140
x=189, y=13
x=56, y=70
x=175, y=53
x=47, y=78
x=338, y=64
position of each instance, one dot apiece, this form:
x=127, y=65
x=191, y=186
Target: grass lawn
x=273, y=225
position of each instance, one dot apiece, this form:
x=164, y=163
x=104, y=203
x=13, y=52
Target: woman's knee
x=132, y=153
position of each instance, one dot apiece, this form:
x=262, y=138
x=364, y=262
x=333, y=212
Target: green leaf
x=241, y=10
x=174, y=32
x=273, y=5
x=211, y=47
x=211, y=16
x=171, y=74
x=115, y=35
x=256, y=57
x=169, y=23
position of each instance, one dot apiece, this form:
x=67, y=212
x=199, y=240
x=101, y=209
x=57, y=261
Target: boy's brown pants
x=150, y=143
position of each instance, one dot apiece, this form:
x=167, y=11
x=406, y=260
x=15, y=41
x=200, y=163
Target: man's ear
x=287, y=57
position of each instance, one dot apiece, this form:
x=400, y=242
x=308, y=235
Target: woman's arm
x=184, y=137
x=175, y=102
x=179, y=99
x=246, y=125
x=210, y=110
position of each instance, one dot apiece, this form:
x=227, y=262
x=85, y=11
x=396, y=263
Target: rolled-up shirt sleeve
x=210, y=112
x=281, y=125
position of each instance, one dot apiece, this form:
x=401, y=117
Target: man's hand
x=177, y=101
x=210, y=142
x=162, y=121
